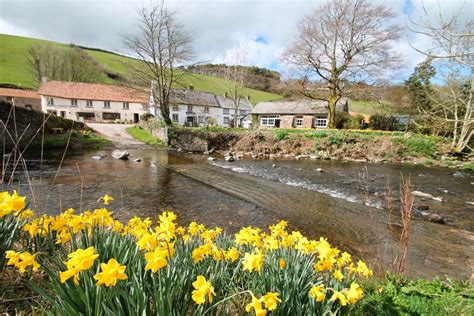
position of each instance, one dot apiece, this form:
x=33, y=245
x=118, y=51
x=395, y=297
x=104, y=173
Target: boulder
x=179, y=149
x=426, y=195
x=137, y=160
x=229, y=158
x=436, y=218
x=123, y=155
x=319, y=170
x=99, y=157
x=211, y=158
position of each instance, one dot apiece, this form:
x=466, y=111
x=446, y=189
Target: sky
x=264, y=27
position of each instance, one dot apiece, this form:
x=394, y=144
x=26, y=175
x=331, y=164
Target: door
x=136, y=118
x=191, y=121
x=63, y=113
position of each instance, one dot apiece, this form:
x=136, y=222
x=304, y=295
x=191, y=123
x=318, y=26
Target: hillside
x=14, y=69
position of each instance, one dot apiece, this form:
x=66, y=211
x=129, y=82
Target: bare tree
x=160, y=45
x=60, y=64
x=342, y=41
x=452, y=54
x=236, y=73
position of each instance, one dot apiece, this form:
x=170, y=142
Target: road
x=117, y=134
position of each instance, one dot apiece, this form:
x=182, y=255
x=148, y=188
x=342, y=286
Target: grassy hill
x=14, y=69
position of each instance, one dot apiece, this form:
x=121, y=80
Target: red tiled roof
x=18, y=93
x=91, y=91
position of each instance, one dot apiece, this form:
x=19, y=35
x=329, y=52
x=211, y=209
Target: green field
x=14, y=69
x=369, y=107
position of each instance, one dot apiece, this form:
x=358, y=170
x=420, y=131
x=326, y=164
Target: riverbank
x=345, y=145
x=73, y=140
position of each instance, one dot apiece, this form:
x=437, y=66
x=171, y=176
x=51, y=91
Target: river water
x=346, y=202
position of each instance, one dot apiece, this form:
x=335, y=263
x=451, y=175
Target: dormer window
x=73, y=102
x=190, y=108
x=206, y=109
x=106, y=104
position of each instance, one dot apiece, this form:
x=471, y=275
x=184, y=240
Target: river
x=346, y=202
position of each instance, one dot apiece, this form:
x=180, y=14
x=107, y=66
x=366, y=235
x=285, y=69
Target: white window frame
x=50, y=101
x=106, y=104
x=299, y=121
x=175, y=117
x=89, y=104
x=73, y=102
x=226, y=111
x=268, y=120
x=321, y=122
x=206, y=109
x=126, y=105
x=200, y=119
x=190, y=108
x=226, y=120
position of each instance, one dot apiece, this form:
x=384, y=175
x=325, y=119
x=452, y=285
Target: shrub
x=341, y=119
x=417, y=146
x=95, y=265
x=383, y=122
x=146, y=116
x=281, y=135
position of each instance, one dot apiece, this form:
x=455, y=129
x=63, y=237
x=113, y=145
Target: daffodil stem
x=228, y=298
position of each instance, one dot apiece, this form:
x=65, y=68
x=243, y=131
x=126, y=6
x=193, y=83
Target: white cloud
x=217, y=25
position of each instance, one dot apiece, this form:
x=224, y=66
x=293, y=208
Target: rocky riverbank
x=346, y=145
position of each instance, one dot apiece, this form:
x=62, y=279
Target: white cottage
x=91, y=102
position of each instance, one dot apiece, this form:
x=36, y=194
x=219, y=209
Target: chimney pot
x=44, y=79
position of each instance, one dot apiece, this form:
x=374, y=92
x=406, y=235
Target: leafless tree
x=236, y=73
x=74, y=64
x=343, y=41
x=160, y=45
x=452, y=54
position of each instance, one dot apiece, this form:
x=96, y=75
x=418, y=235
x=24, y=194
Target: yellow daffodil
x=318, y=292
x=111, y=272
x=253, y=261
x=281, y=263
x=106, y=198
x=339, y=296
x=202, y=288
x=81, y=259
x=156, y=260
x=354, y=293
x=257, y=306
x=338, y=275
x=22, y=260
x=13, y=257
x=271, y=300
x=232, y=254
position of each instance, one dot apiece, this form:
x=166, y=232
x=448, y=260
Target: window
x=73, y=102
x=268, y=120
x=175, y=107
x=200, y=119
x=321, y=121
x=242, y=112
x=175, y=117
x=50, y=101
x=226, y=120
x=126, y=106
x=206, y=109
x=88, y=103
x=226, y=111
x=299, y=121
x=110, y=116
x=190, y=108
x=106, y=104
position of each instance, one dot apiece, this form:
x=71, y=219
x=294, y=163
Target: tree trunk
x=332, y=100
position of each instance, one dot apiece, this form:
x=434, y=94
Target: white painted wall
x=70, y=111
x=216, y=113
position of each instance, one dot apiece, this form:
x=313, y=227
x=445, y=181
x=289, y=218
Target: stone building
x=303, y=113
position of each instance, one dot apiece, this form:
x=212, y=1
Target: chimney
x=44, y=79
x=225, y=94
x=248, y=98
x=191, y=87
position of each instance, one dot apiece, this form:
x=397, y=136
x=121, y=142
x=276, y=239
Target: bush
x=341, y=119
x=398, y=295
x=383, y=122
x=146, y=116
x=281, y=135
x=417, y=146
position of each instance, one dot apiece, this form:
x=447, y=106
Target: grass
x=79, y=140
x=368, y=107
x=15, y=70
x=144, y=136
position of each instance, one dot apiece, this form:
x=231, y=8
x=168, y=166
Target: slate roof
x=303, y=107
x=191, y=97
x=92, y=91
x=224, y=102
x=18, y=93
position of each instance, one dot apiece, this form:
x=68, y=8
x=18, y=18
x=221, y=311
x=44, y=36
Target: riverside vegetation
x=348, y=145
x=90, y=263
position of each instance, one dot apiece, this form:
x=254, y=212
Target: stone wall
x=286, y=121
x=34, y=104
x=308, y=121
x=200, y=141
